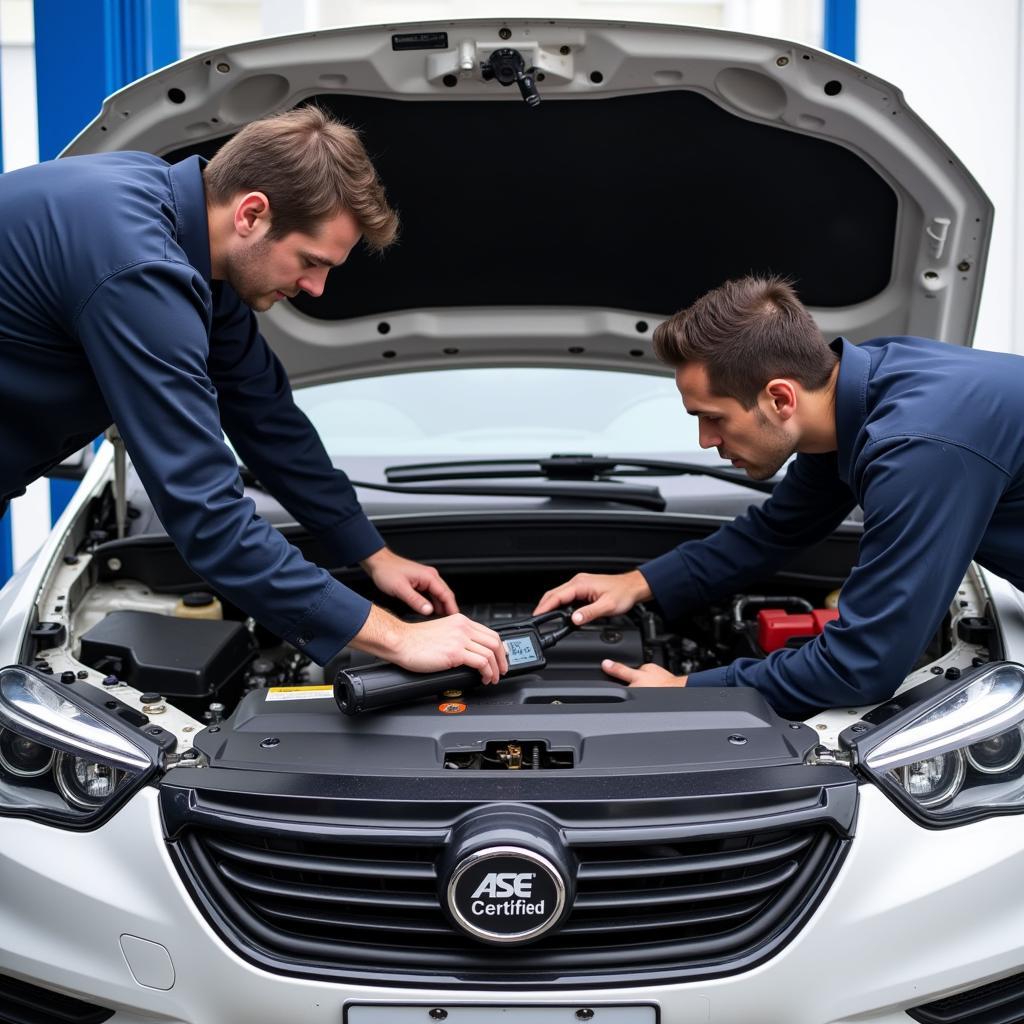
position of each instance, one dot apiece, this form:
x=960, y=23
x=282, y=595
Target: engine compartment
x=129, y=618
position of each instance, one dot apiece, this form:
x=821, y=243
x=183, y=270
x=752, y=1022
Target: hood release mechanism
x=507, y=66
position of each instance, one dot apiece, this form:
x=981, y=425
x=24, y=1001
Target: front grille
x=1000, y=1002
x=22, y=1003
x=694, y=906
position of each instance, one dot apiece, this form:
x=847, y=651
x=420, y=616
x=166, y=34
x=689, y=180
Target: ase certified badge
x=506, y=894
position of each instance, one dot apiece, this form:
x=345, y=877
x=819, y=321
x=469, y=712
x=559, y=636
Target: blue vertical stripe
x=841, y=28
x=85, y=50
x=6, y=546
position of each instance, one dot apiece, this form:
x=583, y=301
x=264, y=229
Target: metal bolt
x=936, y=670
x=859, y=727
x=223, y=67
x=565, y=50
x=963, y=266
x=438, y=1014
x=214, y=728
x=155, y=731
x=452, y=694
x=83, y=674
x=188, y=728
x=585, y=1014
x=114, y=564
x=794, y=725
x=782, y=61
x=270, y=741
x=505, y=33
x=68, y=677
x=737, y=740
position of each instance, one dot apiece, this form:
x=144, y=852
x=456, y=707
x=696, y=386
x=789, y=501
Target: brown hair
x=745, y=333
x=310, y=167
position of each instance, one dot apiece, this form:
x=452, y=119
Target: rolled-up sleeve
x=276, y=439
x=927, y=505
x=145, y=331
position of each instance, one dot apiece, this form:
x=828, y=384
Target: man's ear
x=252, y=214
x=781, y=397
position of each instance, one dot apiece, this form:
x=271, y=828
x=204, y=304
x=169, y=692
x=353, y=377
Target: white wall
x=960, y=65
x=18, y=84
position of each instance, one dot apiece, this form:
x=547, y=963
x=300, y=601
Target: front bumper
x=912, y=914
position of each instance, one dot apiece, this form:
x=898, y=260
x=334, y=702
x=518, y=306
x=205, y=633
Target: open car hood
x=661, y=161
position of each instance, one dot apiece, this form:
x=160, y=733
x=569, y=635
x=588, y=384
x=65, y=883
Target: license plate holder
x=489, y=1013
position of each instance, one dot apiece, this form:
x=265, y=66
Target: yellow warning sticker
x=299, y=692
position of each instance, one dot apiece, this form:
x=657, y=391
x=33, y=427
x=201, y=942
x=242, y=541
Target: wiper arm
x=607, y=490
x=597, y=468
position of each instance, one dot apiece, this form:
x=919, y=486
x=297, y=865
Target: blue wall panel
x=6, y=559
x=85, y=50
x=841, y=28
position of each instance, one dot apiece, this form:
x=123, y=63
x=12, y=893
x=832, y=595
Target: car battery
x=776, y=628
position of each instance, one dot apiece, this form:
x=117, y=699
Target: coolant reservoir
x=199, y=605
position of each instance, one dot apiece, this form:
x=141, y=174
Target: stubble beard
x=244, y=273
x=777, y=447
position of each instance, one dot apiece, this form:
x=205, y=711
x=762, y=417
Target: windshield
x=501, y=411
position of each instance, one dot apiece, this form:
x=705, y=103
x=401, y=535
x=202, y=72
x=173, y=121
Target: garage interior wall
x=960, y=65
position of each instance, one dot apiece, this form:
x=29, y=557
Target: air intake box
x=167, y=655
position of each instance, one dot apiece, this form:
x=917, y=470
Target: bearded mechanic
x=127, y=291
x=927, y=438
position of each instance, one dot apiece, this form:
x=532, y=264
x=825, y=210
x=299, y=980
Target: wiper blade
x=597, y=468
x=601, y=490
x=607, y=490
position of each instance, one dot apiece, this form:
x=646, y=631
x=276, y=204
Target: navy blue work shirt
x=931, y=446
x=108, y=314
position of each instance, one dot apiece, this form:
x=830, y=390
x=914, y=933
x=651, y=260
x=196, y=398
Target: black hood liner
x=638, y=203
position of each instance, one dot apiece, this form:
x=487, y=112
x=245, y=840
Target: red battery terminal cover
x=775, y=627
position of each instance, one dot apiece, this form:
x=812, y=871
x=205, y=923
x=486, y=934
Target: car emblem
x=506, y=894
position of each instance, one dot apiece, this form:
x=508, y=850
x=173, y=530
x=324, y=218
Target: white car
x=194, y=831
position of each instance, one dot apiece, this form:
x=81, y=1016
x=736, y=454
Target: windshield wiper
x=581, y=468
x=602, y=490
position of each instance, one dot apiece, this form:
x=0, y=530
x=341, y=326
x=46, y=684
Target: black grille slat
x=321, y=918
x=749, y=857
x=309, y=901
x=678, y=920
x=688, y=894
x=289, y=861
x=317, y=893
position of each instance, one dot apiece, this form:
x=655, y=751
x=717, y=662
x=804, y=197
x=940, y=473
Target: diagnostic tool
x=383, y=684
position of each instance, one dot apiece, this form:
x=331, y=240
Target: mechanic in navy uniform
x=127, y=290
x=927, y=438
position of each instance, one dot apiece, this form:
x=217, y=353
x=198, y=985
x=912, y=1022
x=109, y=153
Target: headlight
x=957, y=755
x=66, y=757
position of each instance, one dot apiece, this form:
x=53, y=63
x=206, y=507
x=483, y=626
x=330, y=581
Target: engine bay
x=130, y=619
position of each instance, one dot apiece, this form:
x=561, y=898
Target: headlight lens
x=85, y=783
x=63, y=758
x=23, y=757
x=959, y=755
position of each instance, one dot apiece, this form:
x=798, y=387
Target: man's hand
x=433, y=646
x=645, y=675
x=605, y=595
x=409, y=582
